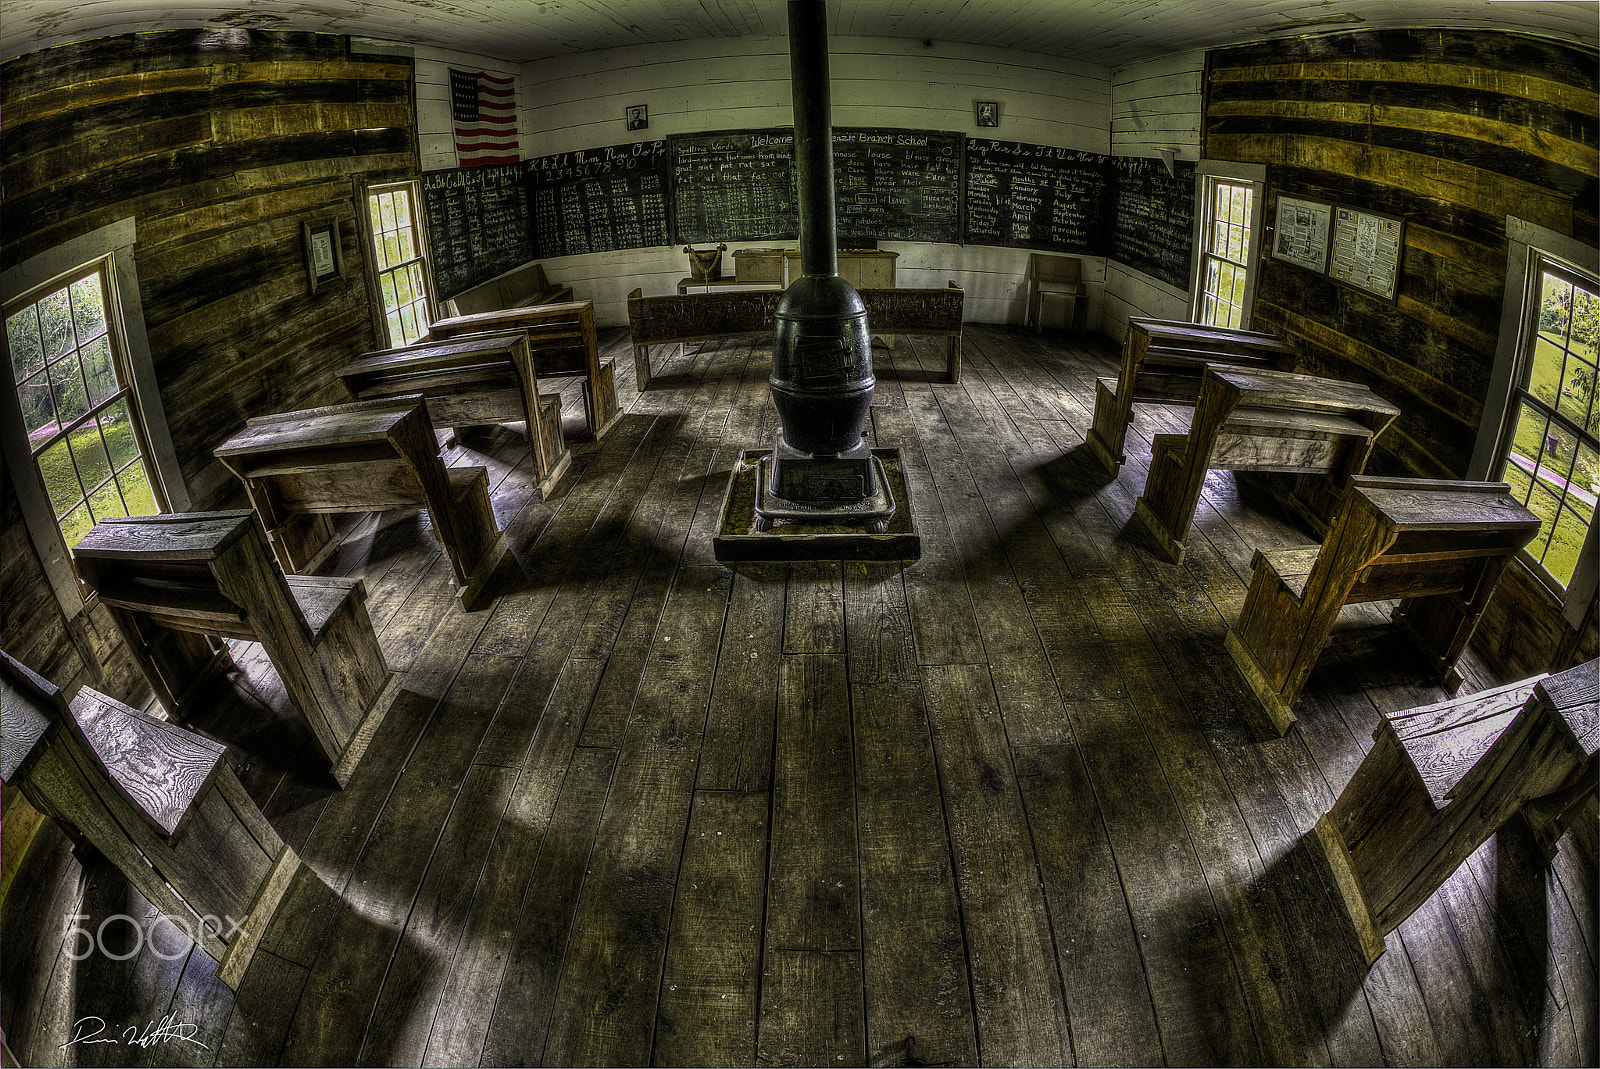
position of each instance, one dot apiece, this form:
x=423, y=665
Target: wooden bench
x=1441, y=779
x=1162, y=363
x=1439, y=546
x=470, y=381
x=176, y=582
x=674, y=320
x=299, y=468
x=518, y=288
x=562, y=341
x=160, y=803
x=1252, y=420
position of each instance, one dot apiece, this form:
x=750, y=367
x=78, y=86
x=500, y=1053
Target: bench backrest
x=524, y=284
x=736, y=314
x=560, y=336
x=918, y=311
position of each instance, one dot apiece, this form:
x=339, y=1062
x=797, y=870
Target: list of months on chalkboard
x=736, y=185
x=599, y=199
x=1152, y=228
x=477, y=224
x=898, y=185
x=1035, y=197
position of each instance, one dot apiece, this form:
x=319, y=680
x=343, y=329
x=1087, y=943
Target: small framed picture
x=988, y=113
x=638, y=117
x=324, y=258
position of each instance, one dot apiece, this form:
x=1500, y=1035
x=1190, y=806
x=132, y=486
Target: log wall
x=220, y=143
x=1452, y=131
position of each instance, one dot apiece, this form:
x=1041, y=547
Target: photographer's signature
x=93, y=1030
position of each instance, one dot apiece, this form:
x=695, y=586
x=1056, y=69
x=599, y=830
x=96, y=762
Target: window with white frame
x=396, y=229
x=1225, y=254
x=78, y=408
x=1548, y=450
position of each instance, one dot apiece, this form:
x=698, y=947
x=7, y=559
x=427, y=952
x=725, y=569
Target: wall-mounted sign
x=1366, y=250
x=324, y=259
x=1300, y=235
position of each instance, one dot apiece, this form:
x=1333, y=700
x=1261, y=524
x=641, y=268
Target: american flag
x=485, y=109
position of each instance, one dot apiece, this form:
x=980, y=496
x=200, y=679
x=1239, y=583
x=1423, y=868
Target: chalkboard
x=736, y=185
x=477, y=221
x=898, y=185
x=1152, y=226
x=599, y=199
x=1035, y=197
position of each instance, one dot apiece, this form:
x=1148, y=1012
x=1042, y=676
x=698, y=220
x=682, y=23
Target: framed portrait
x=324, y=258
x=638, y=116
x=988, y=113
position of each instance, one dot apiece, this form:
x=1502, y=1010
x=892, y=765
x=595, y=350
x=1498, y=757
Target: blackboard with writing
x=898, y=185
x=599, y=199
x=1035, y=197
x=477, y=221
x=1153, y=218
x=736, y=185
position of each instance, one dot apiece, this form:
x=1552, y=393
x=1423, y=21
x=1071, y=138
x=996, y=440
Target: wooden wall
x=1453, y=131
x=220, y=143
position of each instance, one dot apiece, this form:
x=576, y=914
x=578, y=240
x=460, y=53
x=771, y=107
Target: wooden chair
x=1441, y=779
x=1055, y=276
x=1163, y=363
x=1440, y=547
x=299, y=468
x=178, y=581
x=160, y=803
x=1251, y=420
x=562, y=340
x=470, y=381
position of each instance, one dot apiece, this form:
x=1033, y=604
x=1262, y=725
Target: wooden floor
x=1010, y=804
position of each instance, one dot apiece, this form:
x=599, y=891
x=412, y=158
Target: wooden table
x=1162, y=363
x=1254, y=420
x=689, y=285
x=364, y=456
x=470, y=380
x=562, y=339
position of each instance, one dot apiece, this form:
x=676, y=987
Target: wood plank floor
x=1010, y=804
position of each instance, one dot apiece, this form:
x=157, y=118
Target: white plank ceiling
x=1108, y=32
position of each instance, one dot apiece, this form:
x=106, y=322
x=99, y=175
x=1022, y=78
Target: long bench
x=518, y=288
x=176, y=582
x=1439, y=547
x=562, y=342
x=1163, y=363
x=692, y=317
x=299, y=468
x=1441, y=779
x=1253, y=420
x=160, y=803
x=470, y=381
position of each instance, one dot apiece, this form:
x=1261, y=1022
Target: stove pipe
x=822, y=354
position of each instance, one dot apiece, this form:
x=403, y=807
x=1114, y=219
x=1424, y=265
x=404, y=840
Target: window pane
x=397, y=334
x=407, y=248
x=1585, y=323
x=1555, y=308
x=75, y=525
x=55, y=325
x=136, y=491
x=402, y=287
x=391, y=250
x=1566, y=543
x=67, y=384
x=1529, y=441
x=88, y=308
x=27, y=352
x=96, y=357
x=38, y=407
x=60, y=477
x=402, y=208
x=1544, y=376
x=1520, y=481
x=386, y=211
x=106, y=501
x=94, y=467
x=118, y=431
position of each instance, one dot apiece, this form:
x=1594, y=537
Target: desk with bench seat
x=1256, y=420
x=299, y=468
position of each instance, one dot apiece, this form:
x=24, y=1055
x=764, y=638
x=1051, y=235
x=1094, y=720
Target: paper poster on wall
x=1366, y=250
x=1300, y=235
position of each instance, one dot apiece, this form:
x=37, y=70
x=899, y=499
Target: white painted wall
x=578, y=102
x=1154, y=105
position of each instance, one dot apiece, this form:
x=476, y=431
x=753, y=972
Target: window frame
x=112, y=245
x=424, y=253
x=1209, y=175
x=1529, y=247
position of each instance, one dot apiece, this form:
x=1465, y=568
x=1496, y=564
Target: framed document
x=1366, y=250
x=1300, y=235
x=324, y=259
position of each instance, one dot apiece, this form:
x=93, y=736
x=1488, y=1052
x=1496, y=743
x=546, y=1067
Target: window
x=396, y=239
x=1548, y=451
x=1225, y=262
x=78, y=411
